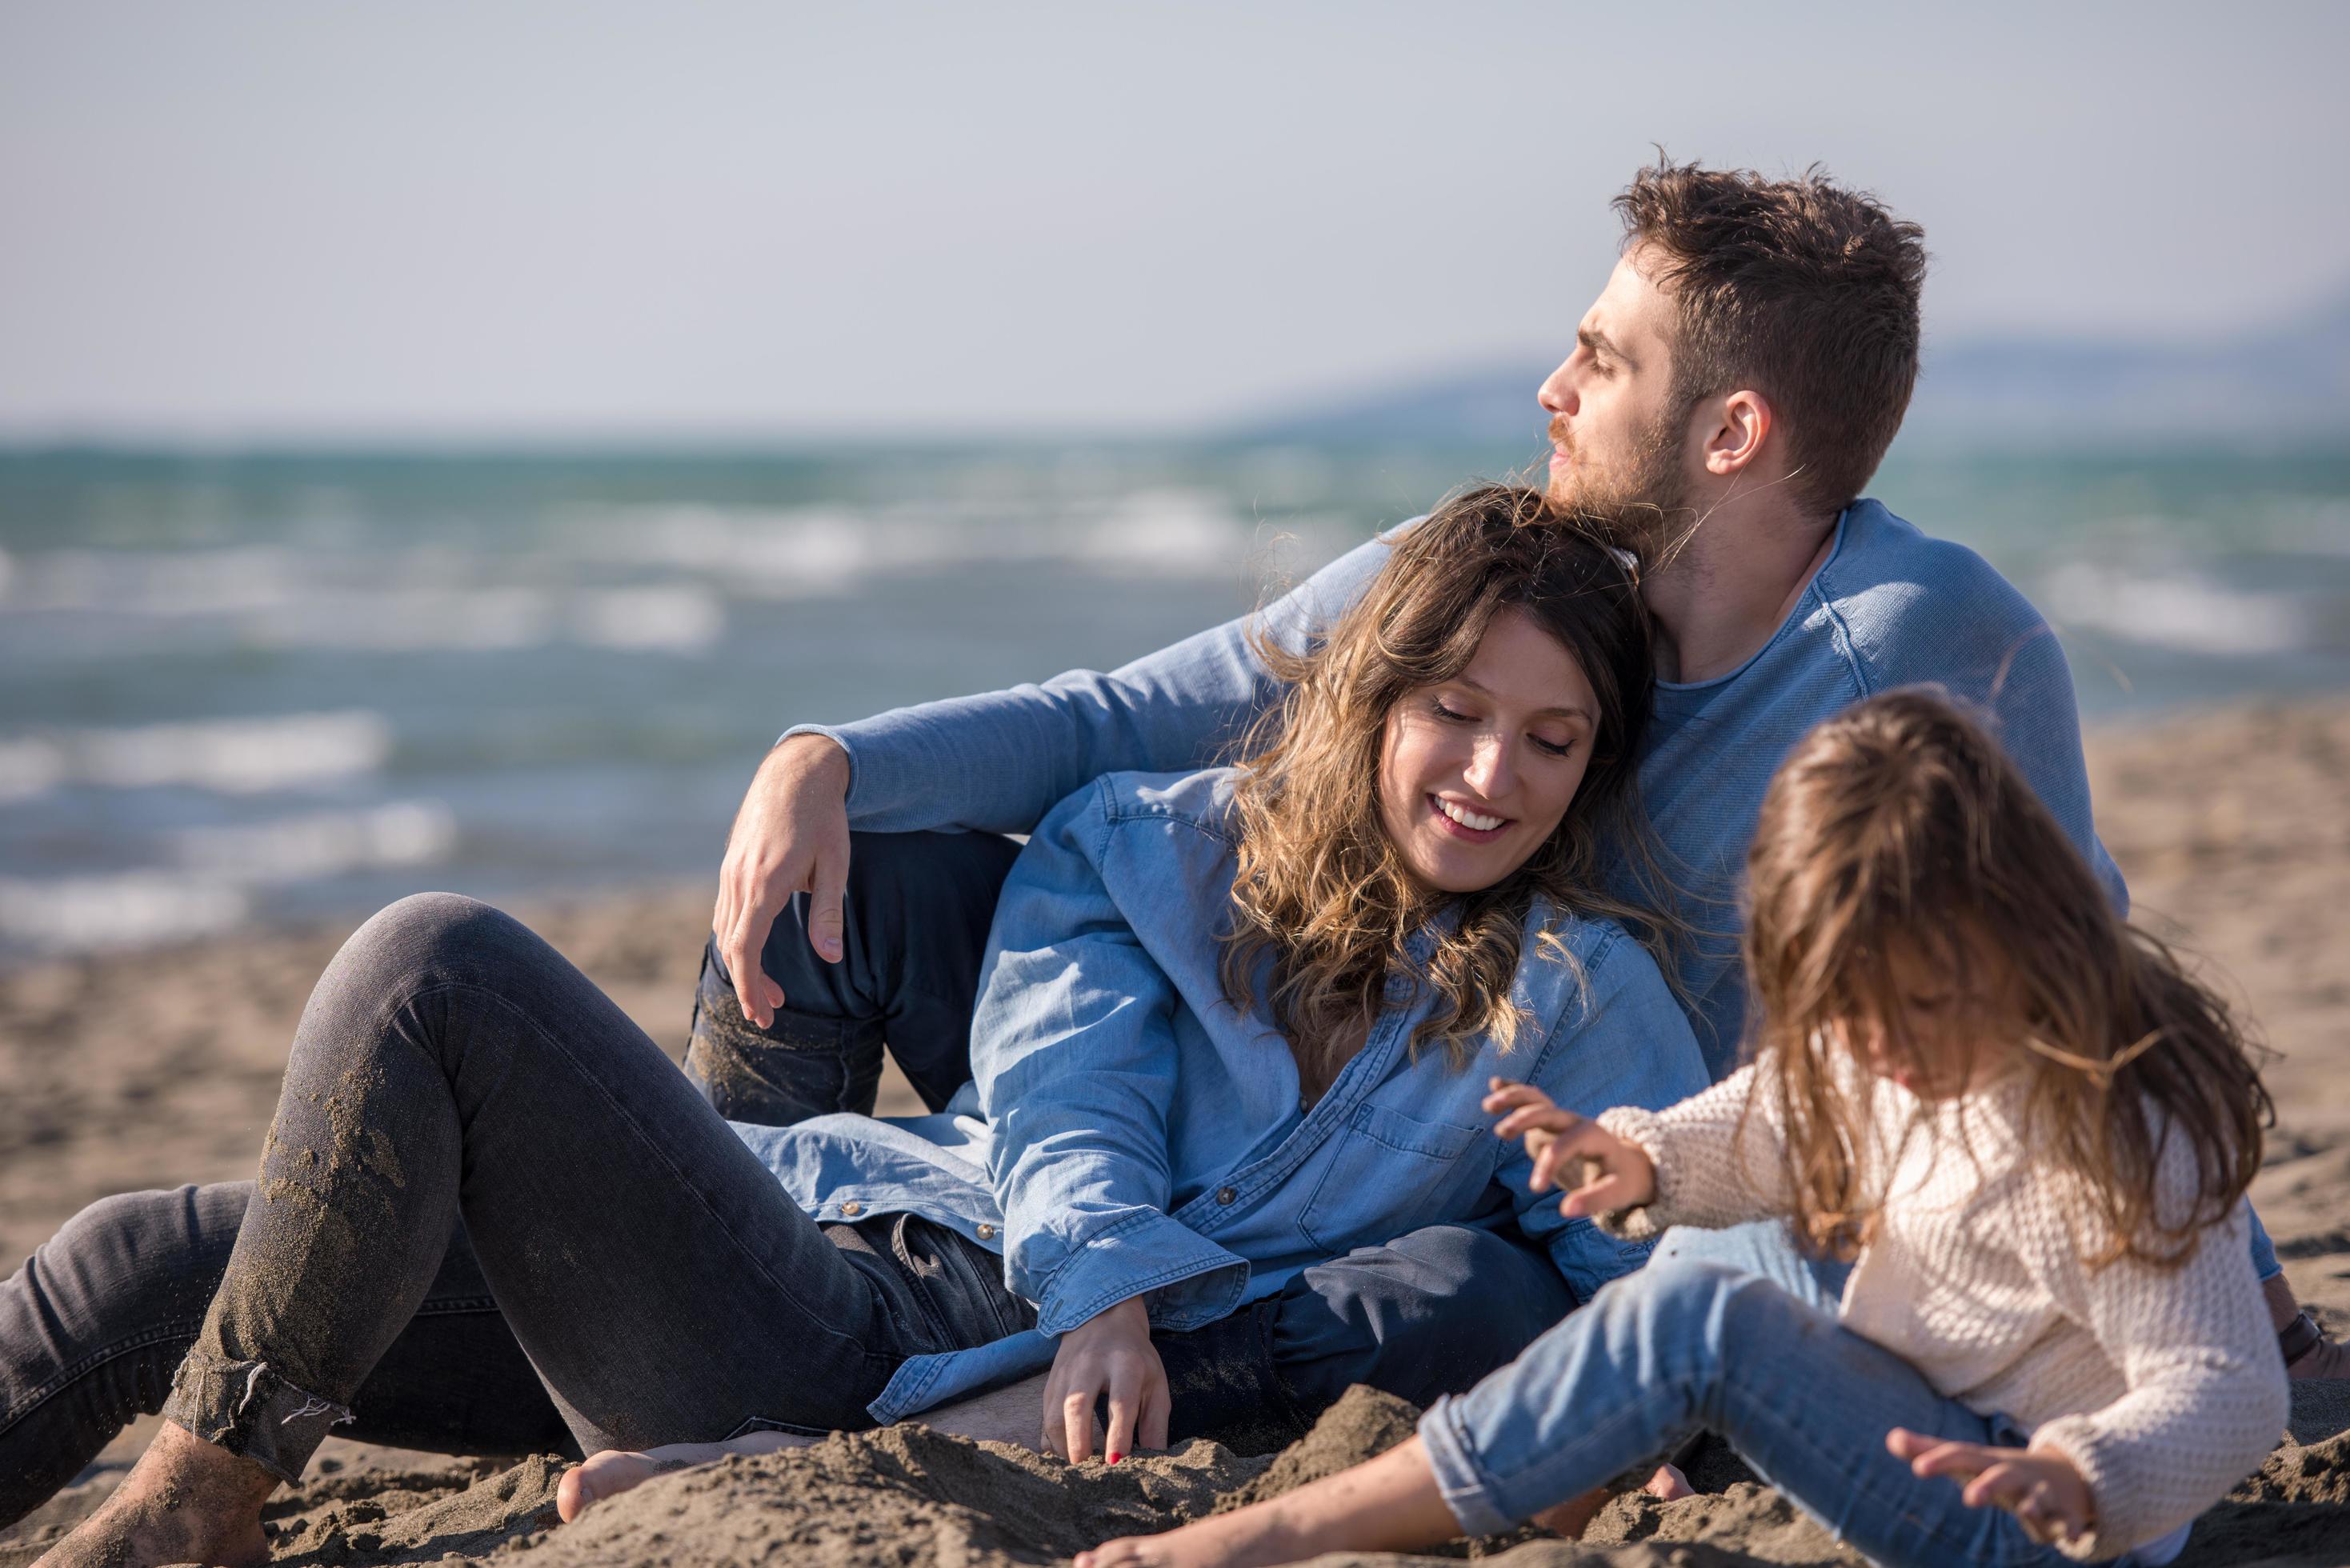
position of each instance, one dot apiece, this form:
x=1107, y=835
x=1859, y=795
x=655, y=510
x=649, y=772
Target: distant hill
x=2291, y=382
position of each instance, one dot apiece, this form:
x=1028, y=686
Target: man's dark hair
x=1801, y=290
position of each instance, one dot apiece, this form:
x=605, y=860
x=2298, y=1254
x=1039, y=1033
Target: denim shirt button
x=986, y=1231
x=852, y=1208
x=1225, y=1195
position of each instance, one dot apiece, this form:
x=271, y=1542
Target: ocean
x=258, y=689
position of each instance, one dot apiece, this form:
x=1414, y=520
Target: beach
x=131, y=1070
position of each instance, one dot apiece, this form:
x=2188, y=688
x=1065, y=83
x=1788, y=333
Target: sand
x=161, y=1068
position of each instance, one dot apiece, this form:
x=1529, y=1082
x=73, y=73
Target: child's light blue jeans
x=1731, y=1332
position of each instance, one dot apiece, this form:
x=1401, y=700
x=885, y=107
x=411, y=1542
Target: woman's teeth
x=1467, y=818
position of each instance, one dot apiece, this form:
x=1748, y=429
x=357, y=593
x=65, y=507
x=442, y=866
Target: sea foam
x=235, y=756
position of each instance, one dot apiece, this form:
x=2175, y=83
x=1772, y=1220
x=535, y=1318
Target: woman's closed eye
x=1435, y=705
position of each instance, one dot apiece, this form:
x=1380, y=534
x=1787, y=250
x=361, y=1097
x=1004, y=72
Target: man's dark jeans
x=476, y=1152
x=914, y=933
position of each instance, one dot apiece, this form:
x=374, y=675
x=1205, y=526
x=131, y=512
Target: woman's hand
x=1616, y=1174
x=2041, y=1489
x=1109, y=1352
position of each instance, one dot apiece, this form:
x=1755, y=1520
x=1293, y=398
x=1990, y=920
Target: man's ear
x=1737, y=437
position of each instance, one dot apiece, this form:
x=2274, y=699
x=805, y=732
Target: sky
x=261, y=220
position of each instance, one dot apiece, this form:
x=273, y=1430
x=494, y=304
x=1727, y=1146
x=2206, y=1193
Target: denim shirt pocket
x=1388, y=1174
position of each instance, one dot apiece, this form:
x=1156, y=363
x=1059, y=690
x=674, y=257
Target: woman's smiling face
x=1477, y=772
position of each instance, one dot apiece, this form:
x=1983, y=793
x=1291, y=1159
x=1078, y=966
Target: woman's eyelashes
x=1548, y=748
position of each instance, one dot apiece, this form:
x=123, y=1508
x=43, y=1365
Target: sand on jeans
x=157, y=1068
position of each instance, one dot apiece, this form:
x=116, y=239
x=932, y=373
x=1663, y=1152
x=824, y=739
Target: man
x=1729, y=395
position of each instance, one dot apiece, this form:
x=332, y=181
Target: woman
x=1233, y=1022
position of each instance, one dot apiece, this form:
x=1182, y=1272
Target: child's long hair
x=1900, y=827
x=1319, y=886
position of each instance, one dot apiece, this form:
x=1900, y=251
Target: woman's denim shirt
x=1128, y=1132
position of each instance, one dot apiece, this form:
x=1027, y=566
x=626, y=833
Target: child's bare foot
x=1669, y=1484
x=612, y=1471
x=184, y=1501
x=1572, y=1518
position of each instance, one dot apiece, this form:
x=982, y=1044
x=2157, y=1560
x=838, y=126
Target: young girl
x=2025, y=1127
x=1236, y=1026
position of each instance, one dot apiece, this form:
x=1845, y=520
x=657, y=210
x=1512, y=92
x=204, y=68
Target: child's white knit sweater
x=2162, y=1385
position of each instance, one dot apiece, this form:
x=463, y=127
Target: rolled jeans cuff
x=247, y=1409
x=1467, y=1488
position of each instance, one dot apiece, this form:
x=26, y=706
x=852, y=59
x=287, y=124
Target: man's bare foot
x=184, y=1501
x=1572, y=1518
x=612, y=1471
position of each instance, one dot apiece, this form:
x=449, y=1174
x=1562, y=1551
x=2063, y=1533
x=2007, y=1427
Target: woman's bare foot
x=1009, y=1415
x=184, y=1501
x=612, y=1471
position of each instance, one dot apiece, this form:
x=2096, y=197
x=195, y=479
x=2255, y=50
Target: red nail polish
x=1115, y=1458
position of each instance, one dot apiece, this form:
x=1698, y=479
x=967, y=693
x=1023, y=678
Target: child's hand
x=2042, y=1490
x=1615, y=1174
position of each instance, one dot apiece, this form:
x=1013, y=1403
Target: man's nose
x=1557, y=393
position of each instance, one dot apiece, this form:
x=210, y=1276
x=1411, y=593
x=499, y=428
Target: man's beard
x=1639, y=504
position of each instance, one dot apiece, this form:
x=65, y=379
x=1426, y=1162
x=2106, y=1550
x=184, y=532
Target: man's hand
x=1111, y=1353
x=790, y=837
x=1616, y=1174
x=2041, y=1489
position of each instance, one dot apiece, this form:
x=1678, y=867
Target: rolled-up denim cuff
x=246, y=1408
x=1466, y=1486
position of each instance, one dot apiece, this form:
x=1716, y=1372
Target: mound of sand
x=905, y=1495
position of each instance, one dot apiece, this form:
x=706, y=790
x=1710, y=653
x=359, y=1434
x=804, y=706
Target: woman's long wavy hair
x=1899, y=831
x=1321, y=890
